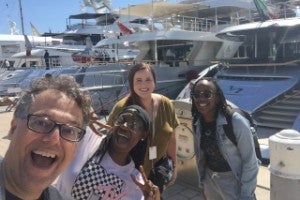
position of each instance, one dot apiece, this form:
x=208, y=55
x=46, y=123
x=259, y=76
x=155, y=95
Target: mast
x=21, y=15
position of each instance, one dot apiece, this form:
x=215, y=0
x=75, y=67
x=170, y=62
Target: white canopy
x=156, y=9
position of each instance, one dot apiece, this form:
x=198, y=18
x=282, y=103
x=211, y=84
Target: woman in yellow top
x=161, y=112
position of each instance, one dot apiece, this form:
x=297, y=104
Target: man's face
x=34, y=160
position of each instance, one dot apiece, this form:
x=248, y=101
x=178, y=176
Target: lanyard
x=154, y=111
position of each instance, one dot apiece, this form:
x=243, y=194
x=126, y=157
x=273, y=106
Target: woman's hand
x=150, y=191
x=96, y=126
x=172, y=153
x=174, y=177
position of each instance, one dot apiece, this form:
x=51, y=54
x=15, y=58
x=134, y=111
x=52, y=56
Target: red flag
x=124, y=30
x=266, y=11
x=27, y=46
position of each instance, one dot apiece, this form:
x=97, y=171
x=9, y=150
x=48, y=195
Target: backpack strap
x=228, y=128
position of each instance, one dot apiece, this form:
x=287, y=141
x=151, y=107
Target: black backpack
x=228, y=129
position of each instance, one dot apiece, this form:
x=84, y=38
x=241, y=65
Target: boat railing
x=10, y=89
x=79, y=26
x=100, y=79
x=189, y=23
x=288, y=63
x=160, y=63
x=103, y=108
x=273, y=67
x=176, y=62
x=104, y=62
x=285, y=9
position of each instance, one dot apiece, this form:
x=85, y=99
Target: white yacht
x=11, y=45
x=179, y=44
x=85, y=30
x=180, y=34
x=261, y=76
x=179, y=39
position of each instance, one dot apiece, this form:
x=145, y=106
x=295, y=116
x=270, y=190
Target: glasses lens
x=71, y=133
x=40, y=124
x=208, y=94
x=130, y=121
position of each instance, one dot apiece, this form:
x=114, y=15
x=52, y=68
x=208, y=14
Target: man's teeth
x=203, y=104
x=44, y=154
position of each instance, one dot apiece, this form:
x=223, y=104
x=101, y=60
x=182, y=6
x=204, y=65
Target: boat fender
x=184, y=131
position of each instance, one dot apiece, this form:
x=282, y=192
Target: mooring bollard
x=285, y=165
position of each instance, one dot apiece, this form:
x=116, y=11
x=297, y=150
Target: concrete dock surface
x=181, y=190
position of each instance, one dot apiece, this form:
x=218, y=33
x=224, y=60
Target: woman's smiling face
x=127, y=132
x=205, y=97
x=143, y=83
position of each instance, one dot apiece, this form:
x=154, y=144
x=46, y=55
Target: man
x=49, y=120
x=46, y=57
x=7, y=64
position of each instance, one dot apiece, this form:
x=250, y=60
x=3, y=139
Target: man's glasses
x=207, y=94
x=129, y=121
x=42, y=124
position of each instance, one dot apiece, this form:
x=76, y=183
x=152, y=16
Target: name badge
x=152, y=152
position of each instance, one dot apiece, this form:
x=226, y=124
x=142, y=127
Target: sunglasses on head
x=129, y=121
x=207, y=94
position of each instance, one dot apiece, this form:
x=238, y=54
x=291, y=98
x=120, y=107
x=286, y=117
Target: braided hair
x=137, y=153
x=222, y=105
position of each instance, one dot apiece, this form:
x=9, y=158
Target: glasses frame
x=203, y=94
x=135, y=128
x=59, y=125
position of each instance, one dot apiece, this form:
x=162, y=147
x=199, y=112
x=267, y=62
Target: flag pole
x=21, y=16
x=152, y=15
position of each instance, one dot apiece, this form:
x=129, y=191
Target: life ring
x=184, y=132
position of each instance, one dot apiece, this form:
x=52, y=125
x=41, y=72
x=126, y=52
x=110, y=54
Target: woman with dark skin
x=226, y=171
x=113, y=171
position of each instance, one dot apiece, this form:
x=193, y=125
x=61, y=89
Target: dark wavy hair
x=139, y=151
x=221, y=106
x=63, y=83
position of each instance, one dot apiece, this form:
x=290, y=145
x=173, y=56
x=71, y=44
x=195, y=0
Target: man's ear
x=13, y=126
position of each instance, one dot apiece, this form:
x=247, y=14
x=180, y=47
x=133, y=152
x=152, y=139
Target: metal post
x=21, y=15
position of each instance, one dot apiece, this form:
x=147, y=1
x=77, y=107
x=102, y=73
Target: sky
x=46, y=15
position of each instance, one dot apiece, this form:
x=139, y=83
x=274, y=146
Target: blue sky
x=45, y=15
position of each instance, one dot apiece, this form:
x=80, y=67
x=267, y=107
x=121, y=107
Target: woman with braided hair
x=226, y=171
x=113, y=171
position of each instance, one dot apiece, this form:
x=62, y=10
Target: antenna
x=13, y=28
x=21, y=15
